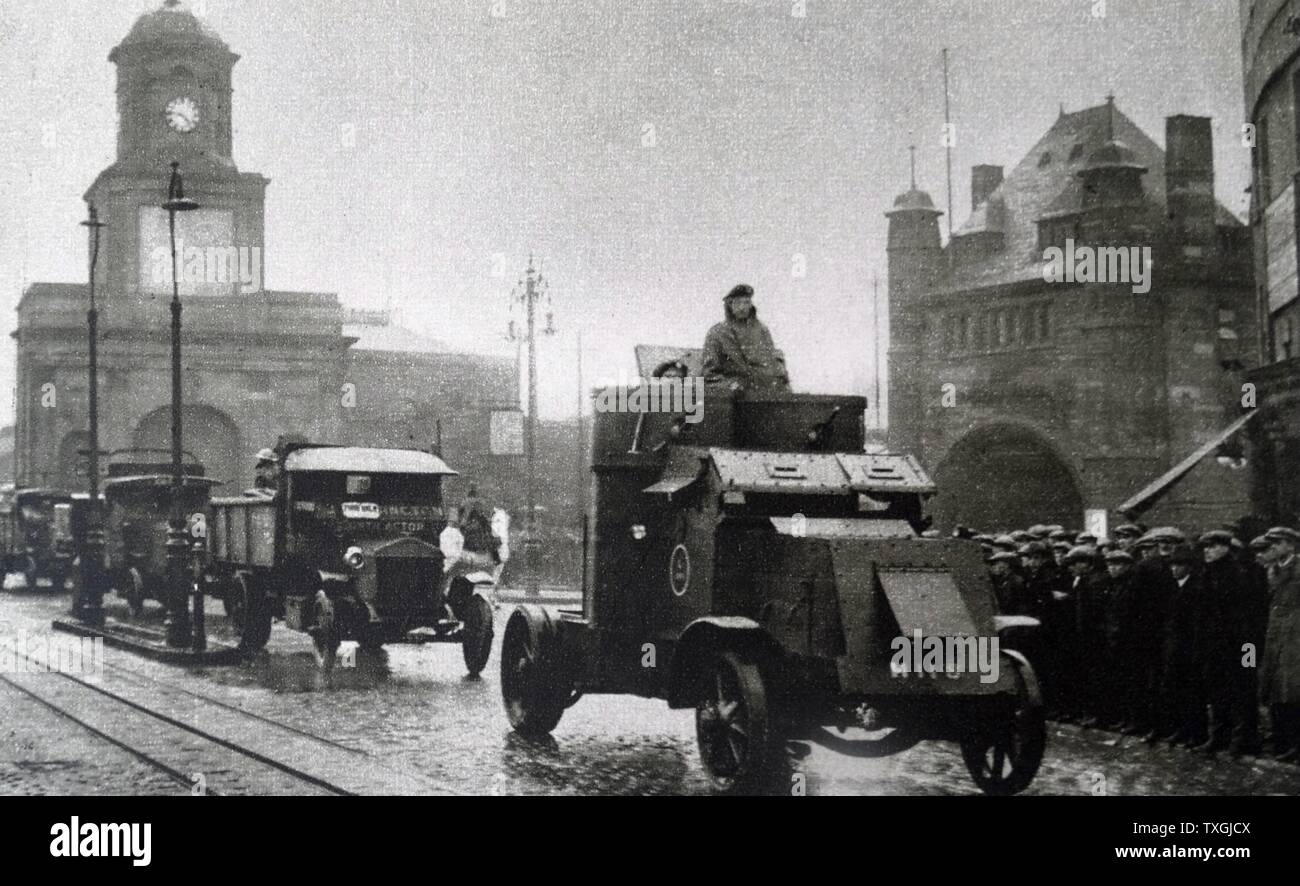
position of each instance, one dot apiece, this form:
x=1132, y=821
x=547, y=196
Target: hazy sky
x=650, y=153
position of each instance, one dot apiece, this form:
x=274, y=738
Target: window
x=967, y=331
x=1003, y=337
x=1044, y=159
x=1044, y=329
x=1077, y=151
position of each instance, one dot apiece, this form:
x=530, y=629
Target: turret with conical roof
x=916, y=261
x=1112, y=198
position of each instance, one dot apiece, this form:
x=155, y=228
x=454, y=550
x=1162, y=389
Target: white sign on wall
x=506, y=434
x=1095, y=520
x=208, y=259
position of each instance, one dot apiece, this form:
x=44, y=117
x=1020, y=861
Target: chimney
x=1189, y=182
x=984, y=180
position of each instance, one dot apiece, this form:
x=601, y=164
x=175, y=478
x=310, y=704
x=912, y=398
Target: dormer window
x=1044, y=159
x=1076, y=152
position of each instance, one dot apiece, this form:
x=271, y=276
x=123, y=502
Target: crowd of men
x=1157, y=634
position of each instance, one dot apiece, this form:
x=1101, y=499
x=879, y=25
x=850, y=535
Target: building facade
x=1270, y=44
x=1044, y=370
x=257, y=363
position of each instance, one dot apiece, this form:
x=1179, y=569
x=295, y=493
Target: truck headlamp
x=355, y=558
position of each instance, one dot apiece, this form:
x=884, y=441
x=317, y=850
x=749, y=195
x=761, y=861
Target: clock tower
x=174, y=103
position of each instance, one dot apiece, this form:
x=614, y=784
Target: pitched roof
x=1044, y=183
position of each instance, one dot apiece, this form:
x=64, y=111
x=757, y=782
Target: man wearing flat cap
x=740, y=350
x=1183, y=698
x=1008, y=586
x=1279, y=676
x=1233, y=614
x=1125, y=638
x=1153, y=592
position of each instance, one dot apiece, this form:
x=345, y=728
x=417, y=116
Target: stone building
x=1035, y=401
x=256, y=363
x=1271, y=58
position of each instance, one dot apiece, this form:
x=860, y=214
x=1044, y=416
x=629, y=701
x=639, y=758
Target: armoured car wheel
x=476, y=635
x=737, y=739
x=1003, y=757
x=134, y=591
x=533, y=689
x=249, y=612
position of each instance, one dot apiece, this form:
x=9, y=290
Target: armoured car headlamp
x=355, y=557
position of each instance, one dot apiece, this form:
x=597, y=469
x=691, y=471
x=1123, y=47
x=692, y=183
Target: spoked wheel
x=249, y=612
x=476, y=635
x=533, y=688
x=737, y=736
x=134, y=591
x=1004, y=757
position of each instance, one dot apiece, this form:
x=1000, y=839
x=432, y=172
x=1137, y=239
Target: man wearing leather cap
x=740, y=349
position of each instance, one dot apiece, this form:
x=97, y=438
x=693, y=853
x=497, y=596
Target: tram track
x=186, y=752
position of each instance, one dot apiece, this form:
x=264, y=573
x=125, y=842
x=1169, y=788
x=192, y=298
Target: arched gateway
x=208, y=433
x=1005, y=476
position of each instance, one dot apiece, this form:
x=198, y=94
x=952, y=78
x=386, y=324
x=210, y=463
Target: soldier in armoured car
x=740, y=350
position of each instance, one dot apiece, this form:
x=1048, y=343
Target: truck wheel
x=1003, y=756
x=249, y=612
x=476, y=635
x=533, y=688
x=738, y=738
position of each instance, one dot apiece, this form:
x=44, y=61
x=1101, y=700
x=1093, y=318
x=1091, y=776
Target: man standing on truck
x=267, y=472
x=740, y=349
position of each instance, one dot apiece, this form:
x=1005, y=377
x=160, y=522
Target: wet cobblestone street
x=419, y=725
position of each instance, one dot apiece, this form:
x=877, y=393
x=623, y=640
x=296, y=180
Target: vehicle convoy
x=33, y=533
x=757, y=565
x=346, y=547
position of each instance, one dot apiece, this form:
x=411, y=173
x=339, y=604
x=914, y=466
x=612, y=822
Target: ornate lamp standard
x=534, y=287
x=88, y=604
x=178, y=619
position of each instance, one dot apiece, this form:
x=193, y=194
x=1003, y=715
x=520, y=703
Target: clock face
x=182, y=114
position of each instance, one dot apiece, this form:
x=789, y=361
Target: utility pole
x=534, y=287
x=581, y=455
x=947, y=138
x=88, y=604
x=875, y=348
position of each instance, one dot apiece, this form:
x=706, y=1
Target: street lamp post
x=88, y=605
x=534, y=286
x=178, y=619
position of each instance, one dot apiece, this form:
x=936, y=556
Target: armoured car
x=757, y=565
